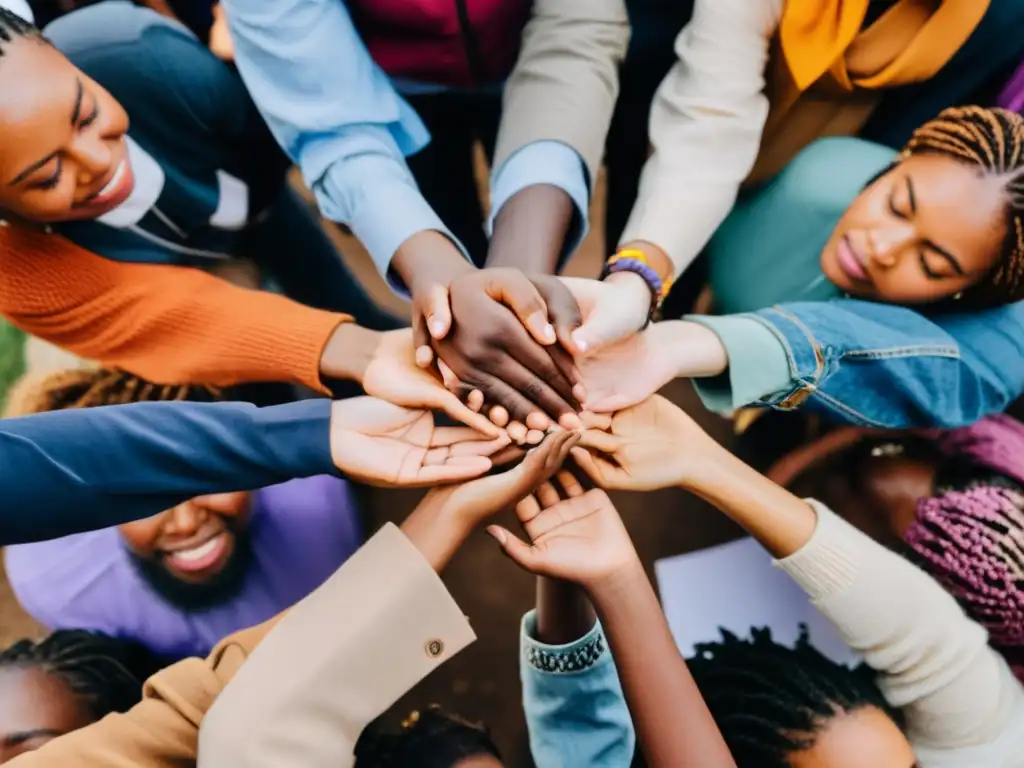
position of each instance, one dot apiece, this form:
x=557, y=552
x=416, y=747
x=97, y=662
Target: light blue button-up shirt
x=340, y=118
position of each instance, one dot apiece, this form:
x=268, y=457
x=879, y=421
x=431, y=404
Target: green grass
x=12, y=357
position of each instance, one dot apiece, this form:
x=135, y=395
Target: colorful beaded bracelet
x=635, y=261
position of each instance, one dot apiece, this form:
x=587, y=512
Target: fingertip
x=538, y=420
x=424, y=356
x=570, y=421
x=499, y=415
x=542, y=330
x=475, y=400
x=534, y=437
x=579, y=339
x=438, y=327
x=498, y=533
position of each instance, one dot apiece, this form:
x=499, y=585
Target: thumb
x=437, y=311
x=521, y=553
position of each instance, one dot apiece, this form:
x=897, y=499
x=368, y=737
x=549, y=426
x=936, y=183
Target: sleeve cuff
x=382, y=213
x=545, y=162
x=300, y=434
x=572, y=658
x=758, y=364
x=829, y=562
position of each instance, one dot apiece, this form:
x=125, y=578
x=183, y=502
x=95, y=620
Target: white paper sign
x=735, y=586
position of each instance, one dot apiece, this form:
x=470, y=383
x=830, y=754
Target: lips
x=200, y=557
x=849, y=261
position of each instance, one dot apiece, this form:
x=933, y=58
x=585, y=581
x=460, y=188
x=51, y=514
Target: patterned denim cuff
x=572, y=658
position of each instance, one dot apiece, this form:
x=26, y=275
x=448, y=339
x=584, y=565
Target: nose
x=92, y=155
x=888, y=242
x=185, y=519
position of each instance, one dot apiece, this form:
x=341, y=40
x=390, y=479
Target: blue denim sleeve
x=545, y=162
x=65, y=472
x=576, y=713
x=336, y=114
x=886, y=366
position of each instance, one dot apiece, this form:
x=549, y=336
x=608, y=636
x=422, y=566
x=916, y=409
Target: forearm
x=166, y=324
x=673, y=724
x=428, y=257
x=152, y=456
x=530, y=230
x=780, y=521
x=564, y=612
x=436, y=532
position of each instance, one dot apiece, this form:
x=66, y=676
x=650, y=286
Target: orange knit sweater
x=166, y=324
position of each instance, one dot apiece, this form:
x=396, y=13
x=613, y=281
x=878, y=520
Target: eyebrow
x=949, y=257
x=20, y=737
x=76, y=113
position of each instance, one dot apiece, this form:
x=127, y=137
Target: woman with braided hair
x=879, y=287
x=65, y=682
x=950, y=501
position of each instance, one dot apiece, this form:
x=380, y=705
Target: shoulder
x=51, y=577
x=97, y=27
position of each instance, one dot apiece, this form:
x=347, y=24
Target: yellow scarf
x=826, y=71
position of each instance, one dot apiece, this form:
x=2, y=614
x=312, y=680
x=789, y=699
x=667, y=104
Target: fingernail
x=497, y=533
x=436, y=328
x=570, y=421
x=579, y=392
x=580, y=342
x=543, y=328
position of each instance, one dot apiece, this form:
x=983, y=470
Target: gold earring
x=958, y=295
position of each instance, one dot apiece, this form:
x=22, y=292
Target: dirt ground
x=482, y=683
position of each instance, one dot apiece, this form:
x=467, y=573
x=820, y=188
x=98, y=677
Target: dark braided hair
x=770, y=701
x=428, y=739
x=13, y=26
x=991, y=139
x=105, y=674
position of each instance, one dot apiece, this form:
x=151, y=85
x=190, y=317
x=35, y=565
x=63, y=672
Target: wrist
x=429, y=258
x=615, y=584
x=634, y=292
x=348, y=352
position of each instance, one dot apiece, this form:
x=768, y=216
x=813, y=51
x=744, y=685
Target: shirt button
x=434, y=648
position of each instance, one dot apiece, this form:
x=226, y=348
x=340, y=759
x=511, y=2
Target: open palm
x=392, y=375
x=381, y=443
x=627, y=372
x=577, y=536
x=648, y=446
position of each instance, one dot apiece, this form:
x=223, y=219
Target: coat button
x=434, y=648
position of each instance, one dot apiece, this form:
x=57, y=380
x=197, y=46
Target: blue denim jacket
x=886, y=366
x=575, y=709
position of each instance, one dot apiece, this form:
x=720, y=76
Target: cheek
x=141, y=536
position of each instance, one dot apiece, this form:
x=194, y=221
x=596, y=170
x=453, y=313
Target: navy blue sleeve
x=70, y=471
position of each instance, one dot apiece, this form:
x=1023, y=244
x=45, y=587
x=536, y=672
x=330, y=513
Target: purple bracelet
x=625, y=264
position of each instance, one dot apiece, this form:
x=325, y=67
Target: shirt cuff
x=545, y=162
x=758, y=364
x=572, y=658
x=299, y=434
x=830, y=560
x=381, y=207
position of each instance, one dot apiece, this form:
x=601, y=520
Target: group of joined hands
x=560, y=375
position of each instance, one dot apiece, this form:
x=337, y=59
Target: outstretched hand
x=381, y=443
x=576, y=536
x=478, y=500
x=652, y=445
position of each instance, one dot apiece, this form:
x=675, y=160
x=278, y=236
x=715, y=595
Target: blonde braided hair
x=993, y=140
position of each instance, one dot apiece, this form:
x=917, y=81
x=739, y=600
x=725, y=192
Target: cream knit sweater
x=964, y=707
